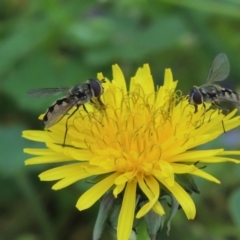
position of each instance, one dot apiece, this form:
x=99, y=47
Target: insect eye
x=96, y=87
x=197, y=97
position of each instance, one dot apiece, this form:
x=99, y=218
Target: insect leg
x=101, y=103
x=204, y=106
x=223, y=127
x=196, y=108
x=210, y=116
x=98, y=103
x=216, y=104
x=85, y=108
x=65, y=135
x=87, y=112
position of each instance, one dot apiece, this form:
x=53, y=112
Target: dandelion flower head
x=143, y=139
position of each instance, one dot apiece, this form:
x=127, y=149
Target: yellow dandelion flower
x=144, y=139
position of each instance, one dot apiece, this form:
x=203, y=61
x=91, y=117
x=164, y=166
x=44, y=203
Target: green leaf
x=234, y=206
x=11, y=149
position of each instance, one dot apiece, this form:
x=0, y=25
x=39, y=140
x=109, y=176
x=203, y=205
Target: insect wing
x=57, y=111
x=220, y=69
x=46, y=92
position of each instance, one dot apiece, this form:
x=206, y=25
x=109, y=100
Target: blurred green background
x=51, y=43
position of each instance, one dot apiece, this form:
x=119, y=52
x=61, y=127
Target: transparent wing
x=57, y=111
x=46, y=92
x=220, y=69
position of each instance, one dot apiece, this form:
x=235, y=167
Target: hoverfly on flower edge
x=77, y=96
x=213, y=93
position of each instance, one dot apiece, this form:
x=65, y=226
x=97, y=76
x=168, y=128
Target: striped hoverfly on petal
x=77, y=96
x=213, y=93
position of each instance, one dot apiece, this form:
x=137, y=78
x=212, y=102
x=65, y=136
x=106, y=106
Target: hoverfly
x=76, y=96
x=212, y=93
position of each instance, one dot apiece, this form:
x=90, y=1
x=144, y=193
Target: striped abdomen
x=226, y=94
x=57, y=111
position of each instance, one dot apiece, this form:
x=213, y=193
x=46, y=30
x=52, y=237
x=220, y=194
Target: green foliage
x=12, y=157
x=234, y=206
x=60, y=43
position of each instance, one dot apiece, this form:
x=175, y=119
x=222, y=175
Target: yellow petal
x=202, y=174
x=229, y=153
x=218, y=160
x=155, y=189
x=38, y=136
x=96, y=192
x=118, y=189
x=123, y=178
x=157, y=208
x=126, y=216
x=183, y=168
x=53, y=158
x=63, y=171
x=195, y=155
x=168, y=80
x=183, y=198
x=119, y=79
x=144, y=79
x=38, y=151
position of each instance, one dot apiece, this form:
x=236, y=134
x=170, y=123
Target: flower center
x=129, y=132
